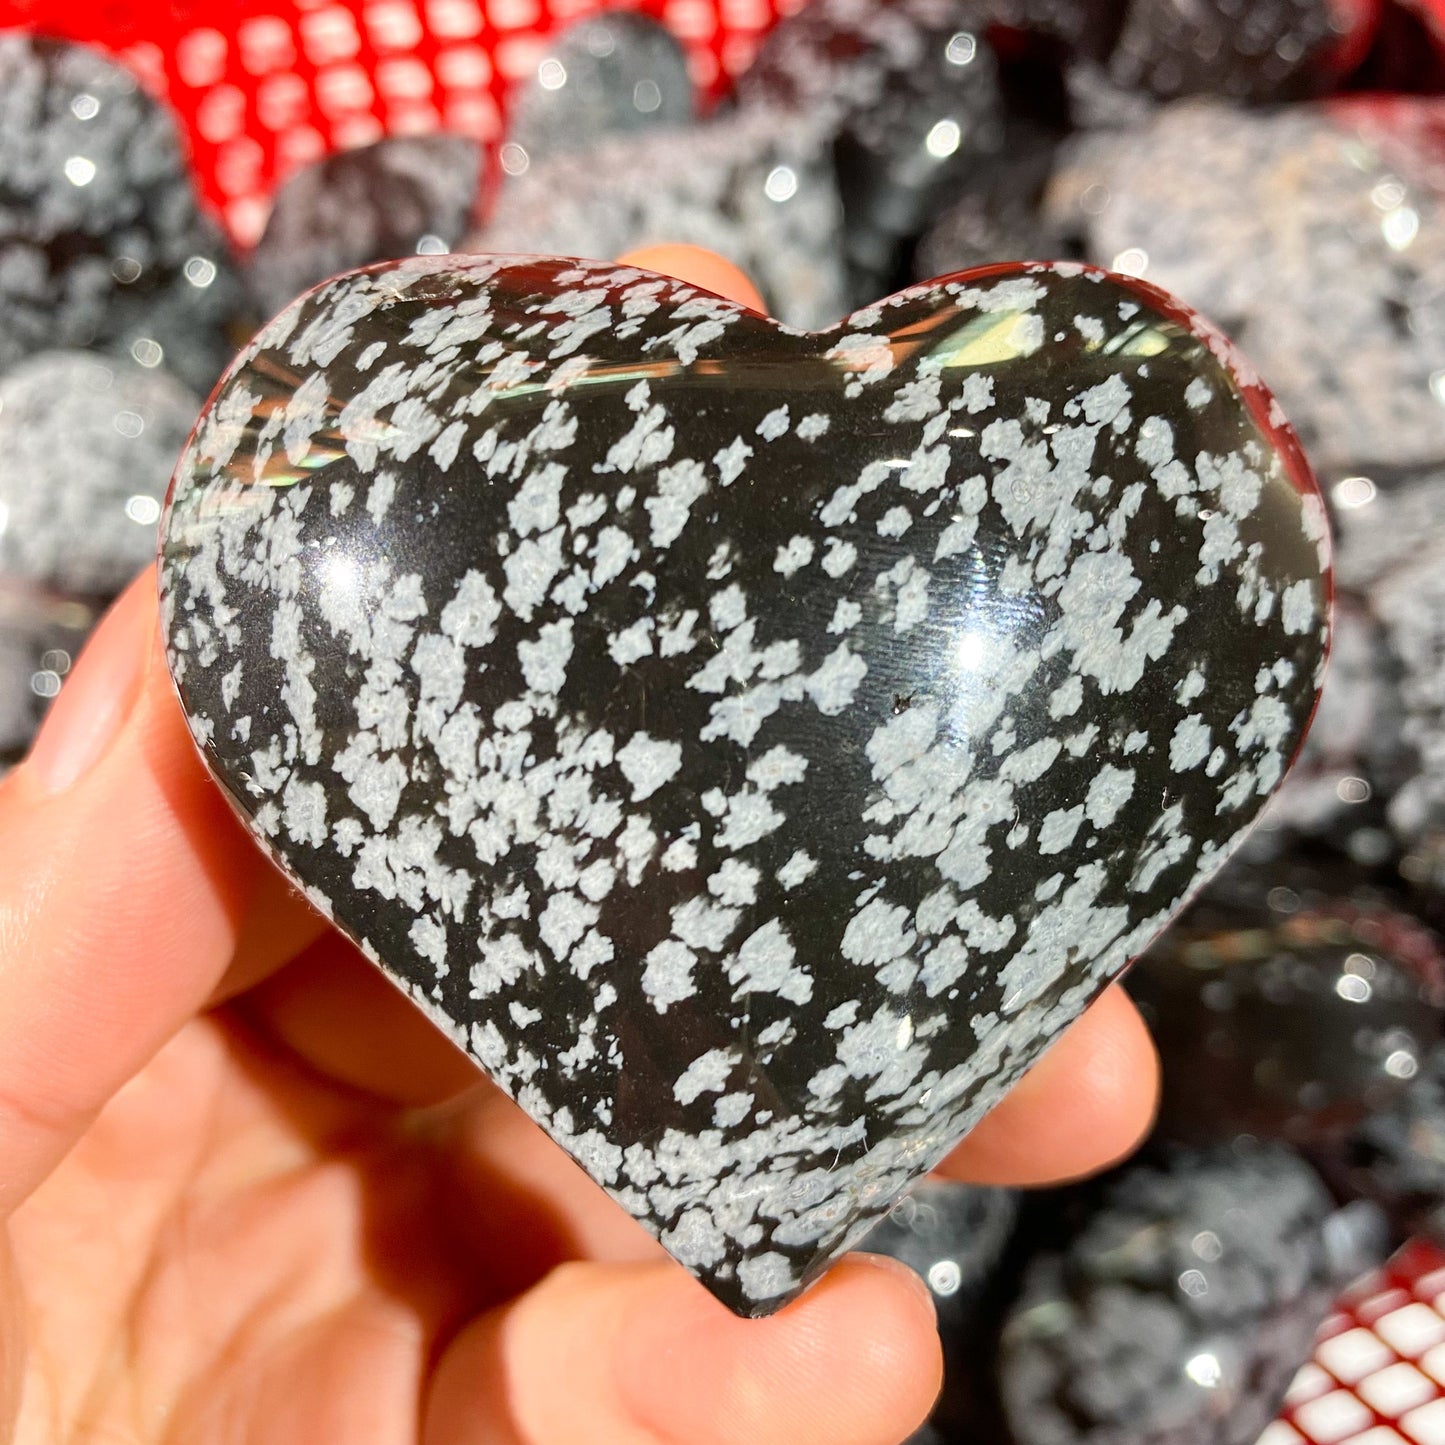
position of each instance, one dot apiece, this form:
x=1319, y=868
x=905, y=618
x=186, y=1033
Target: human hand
x=251, y=1195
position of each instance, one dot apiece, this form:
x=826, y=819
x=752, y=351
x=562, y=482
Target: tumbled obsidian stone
x=101, y=240
x=89, y=443
x=1288, y=1004
x=1248, y=50
x=937, y=123
x=1183, y=1304
x=1354, y=755
x=755, y=186
x=1397, y=1156
x=753, y=747
x=608, y=74
x=1291, y=230
x=910, y=100
x=396, y=197
x=833, y=59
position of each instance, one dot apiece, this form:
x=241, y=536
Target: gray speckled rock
x=608, y=74
x=1290, y=231
x=378, y=203
x=87, y=447
x=1246, y=50
x=753, y=186
x=997, y=216
x=101, y=240
x=832, y=59
x=1392, y=554
x=753, y=747
x=1409, y=600
x=1380, y=525
x=1182, y=1308
x=1354, y=751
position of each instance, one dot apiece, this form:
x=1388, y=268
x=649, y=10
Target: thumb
x=639, y=1354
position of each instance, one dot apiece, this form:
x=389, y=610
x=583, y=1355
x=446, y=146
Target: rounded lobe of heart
x=752, y=746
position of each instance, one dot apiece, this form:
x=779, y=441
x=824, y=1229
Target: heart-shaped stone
x=754, y=747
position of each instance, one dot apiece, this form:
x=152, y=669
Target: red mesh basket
x=262, y=86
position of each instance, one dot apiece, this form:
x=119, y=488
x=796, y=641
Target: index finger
x=128, y=889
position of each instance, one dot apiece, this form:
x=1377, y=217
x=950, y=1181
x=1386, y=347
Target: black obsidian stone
x=102, y=243
x=89, y=443
x=756, y=185
x=753, y=747
x=1247, y=50
x=832, y=59
x=1289, y=1003
x=608, y=74
x=997, y=215
x=937, y=123
x=1397, y=1156
x=398, y=197
x=908, y=99
x=1183, y=1305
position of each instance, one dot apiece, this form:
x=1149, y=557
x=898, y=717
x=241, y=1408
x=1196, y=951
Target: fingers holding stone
x=639, y=1354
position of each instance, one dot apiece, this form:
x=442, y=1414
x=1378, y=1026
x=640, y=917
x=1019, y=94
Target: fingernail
x=97, y=696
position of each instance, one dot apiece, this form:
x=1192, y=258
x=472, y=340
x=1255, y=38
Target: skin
x=250, y=1195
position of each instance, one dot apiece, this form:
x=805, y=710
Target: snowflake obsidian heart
x=752, y=747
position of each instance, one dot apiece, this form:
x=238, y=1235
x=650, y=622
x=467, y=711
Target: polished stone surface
x=1247, y=50
x=1182, y=1306
x=1289, y=1003
x=832, y=59
x=608, y=74
x=398, y=197
x=937, y=124
x=88, y=445
x=101, y=240
x=1303, y=239
x=997, y=215
x=756, y=186
x=1353, y=752
x=753, y=747
x=907, y=99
